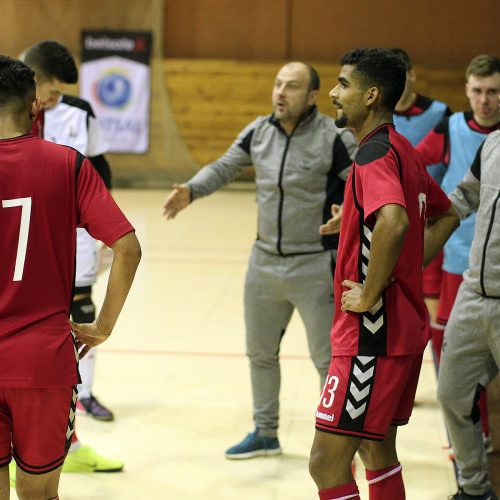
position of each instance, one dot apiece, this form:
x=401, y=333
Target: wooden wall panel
x=447, y=33
x=237, y=29
x=213, y=100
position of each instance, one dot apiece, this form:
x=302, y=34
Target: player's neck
x=371, y=123
x=486, y=123
x=10, y=127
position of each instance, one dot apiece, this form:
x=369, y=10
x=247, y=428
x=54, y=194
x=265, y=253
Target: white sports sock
x=86, y=367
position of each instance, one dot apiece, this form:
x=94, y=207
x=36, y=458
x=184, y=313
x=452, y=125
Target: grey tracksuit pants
x=274, y=287
x=470, y=356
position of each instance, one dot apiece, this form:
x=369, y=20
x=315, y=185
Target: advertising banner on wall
x=115, y=77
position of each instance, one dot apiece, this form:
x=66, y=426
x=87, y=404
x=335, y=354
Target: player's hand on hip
x=88, y=335
x=352, y=299
x=332, y=226
x=178, y=199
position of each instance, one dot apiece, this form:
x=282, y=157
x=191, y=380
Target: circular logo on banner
x=114, y=90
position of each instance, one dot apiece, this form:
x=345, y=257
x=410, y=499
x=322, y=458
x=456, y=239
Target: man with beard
x=380, y=328
x=301, y=161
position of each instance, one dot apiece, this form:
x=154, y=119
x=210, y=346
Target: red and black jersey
x=386, y=170
x=47, y=190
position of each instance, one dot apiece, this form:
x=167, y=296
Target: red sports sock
x=437, y=334
x=386, y=483
x=347, y=491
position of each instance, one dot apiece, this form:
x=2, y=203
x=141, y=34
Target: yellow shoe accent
x=85, y=459
x=12, y=473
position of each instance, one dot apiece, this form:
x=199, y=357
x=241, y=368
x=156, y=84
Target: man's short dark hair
x=314, y=80
x=17, y=86
x=52, y=60
x=379, y=68
x=404, y=56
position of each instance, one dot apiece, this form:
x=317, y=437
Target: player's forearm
x=127, y=255
x=437, y=232
x=387, y=241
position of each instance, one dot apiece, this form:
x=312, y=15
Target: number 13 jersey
x=386, y=170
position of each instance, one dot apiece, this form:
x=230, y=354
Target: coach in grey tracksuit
x=301, y=161
x=471, y=348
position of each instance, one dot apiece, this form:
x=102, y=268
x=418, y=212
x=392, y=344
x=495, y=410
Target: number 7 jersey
x=47, y=190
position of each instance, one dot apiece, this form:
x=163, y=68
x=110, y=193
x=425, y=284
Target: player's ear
x=371, y=95
x=35, y=108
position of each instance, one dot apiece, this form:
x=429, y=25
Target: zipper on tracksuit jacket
x=280, y=187
x=486, y=240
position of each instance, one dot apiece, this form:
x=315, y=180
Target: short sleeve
x=97, y=211
x=380, y=183
x=437, y=201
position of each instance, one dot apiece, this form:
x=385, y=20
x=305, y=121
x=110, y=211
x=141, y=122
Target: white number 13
x=24, y=226
x=332, y=381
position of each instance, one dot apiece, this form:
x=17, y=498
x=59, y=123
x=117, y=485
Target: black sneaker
x=461, y=495
x=91, y=406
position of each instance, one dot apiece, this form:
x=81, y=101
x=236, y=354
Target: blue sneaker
x=254, y=446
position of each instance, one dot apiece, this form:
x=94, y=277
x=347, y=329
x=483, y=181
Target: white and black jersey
x=72, y=122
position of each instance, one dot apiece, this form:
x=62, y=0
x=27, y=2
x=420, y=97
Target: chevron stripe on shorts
x=358, y=393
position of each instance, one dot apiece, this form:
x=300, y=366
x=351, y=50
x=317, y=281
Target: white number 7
x=24, y=227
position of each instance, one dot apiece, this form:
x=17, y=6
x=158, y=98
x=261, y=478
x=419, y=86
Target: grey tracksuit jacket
x=480, y=190
x=298, y=177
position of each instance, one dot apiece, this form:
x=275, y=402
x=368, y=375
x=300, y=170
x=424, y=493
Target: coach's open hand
x=176, y=201
x=88, y=335
x=332, y=226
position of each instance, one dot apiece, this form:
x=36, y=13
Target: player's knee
x=317, y=462
x=377, y=455
x=367, y=455
x=32, y=489
x=327, y=459
x=83, y=310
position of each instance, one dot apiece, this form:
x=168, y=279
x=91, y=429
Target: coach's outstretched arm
x=126, y=258
x=213, y=176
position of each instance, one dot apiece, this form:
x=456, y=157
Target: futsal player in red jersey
x=47, y=190
x=380, y=328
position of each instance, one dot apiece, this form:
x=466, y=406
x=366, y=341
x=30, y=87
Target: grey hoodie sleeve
x=465, y=198
x=225, y=169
